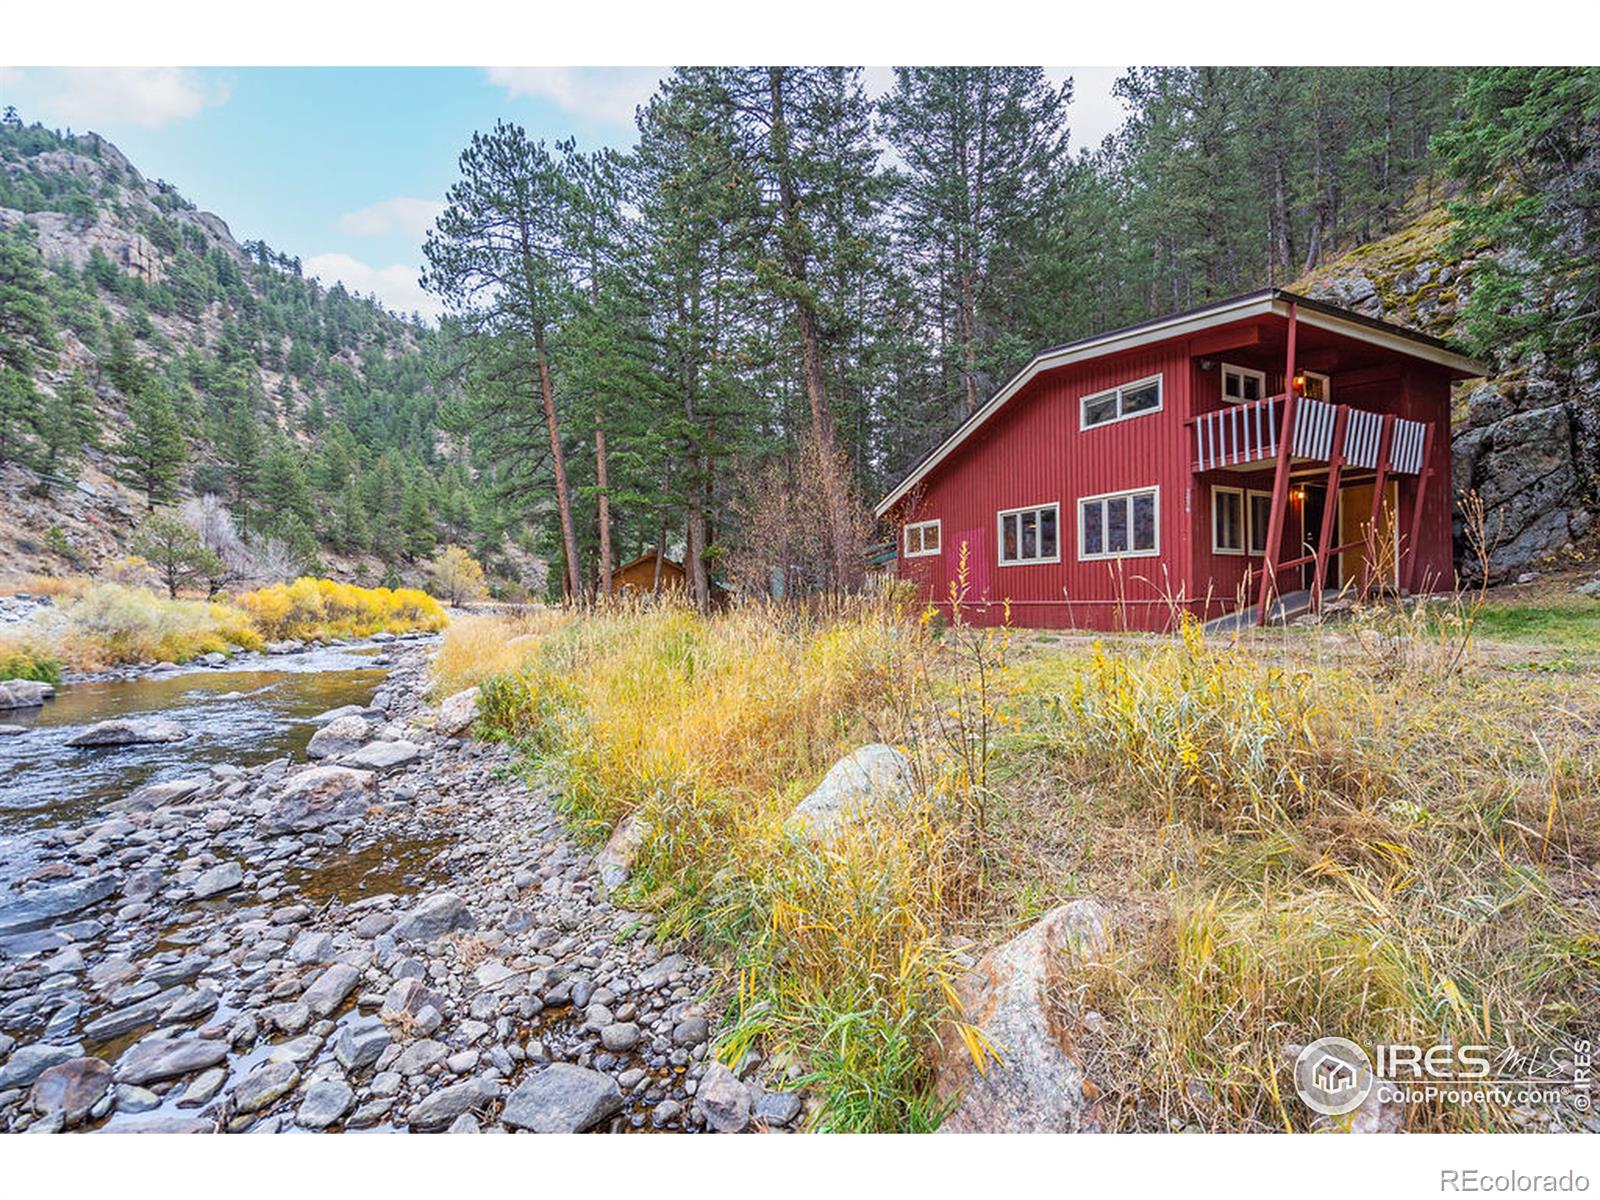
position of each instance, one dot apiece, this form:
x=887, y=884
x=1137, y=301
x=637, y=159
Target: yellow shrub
x=113, y=623
x=310, y=608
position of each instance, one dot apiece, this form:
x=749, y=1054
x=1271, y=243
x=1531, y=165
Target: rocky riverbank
x=399, y=936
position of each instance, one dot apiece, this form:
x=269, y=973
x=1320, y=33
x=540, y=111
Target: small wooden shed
x=638, y=578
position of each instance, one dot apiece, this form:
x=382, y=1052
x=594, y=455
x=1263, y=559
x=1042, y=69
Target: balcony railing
x=1248, y=433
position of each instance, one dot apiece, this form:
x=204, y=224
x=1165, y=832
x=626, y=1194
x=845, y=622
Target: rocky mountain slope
x=313, y=412
x=1518, y=436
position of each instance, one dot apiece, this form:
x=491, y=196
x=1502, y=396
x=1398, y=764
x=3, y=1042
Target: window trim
x=920, y=526
x=1327, y=383
x=1250, y=372
x=1000, y=535
x=1153, y=490
x=1244, y=521
x=1084, y=402
x=1250, y=525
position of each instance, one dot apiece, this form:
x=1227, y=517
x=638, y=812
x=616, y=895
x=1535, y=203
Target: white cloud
x=396, y=287
x=409, y=216
x=147, y=97
x=598, y=93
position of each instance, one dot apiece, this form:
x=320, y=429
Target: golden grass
x=480, y=646
x=1293, y=839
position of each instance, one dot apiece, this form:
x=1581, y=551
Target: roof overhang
x=1269, y=302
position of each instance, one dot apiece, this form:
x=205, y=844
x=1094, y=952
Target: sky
x=348, y=166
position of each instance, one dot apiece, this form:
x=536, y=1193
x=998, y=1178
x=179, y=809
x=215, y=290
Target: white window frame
x=1250, y=524
x=1244, y=521
x=1000, y=535
x=1153, y=490
x=1244, y=372
x=921, y=527
x=1085, y=401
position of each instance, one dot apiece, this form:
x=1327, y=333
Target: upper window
x=1227, y=520
x=1030, y=535
x=1313, y=385
x=1129, y=400
x=1240, y=385
x=922, y=539
x=1123, y=524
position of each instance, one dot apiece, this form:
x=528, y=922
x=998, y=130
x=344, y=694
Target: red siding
x=1032, y=452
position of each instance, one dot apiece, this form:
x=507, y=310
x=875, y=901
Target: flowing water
x=234, y=716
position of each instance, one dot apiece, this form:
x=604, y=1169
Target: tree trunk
x=605, y=503
x=572, y=586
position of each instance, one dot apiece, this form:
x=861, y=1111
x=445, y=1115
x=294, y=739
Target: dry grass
x=481, y=646
x=1294, y=839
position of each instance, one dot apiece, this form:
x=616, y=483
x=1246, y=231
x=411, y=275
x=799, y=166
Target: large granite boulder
x=24, y=693
x=439, y=914
x=37, y=905
x=563, y=1098
x=71, y=1088
x=129, y=731
x=875, y=776
x=340, y=736
x=457, y=713
x=616, y=859
x=318, y=796
x=1016, y=996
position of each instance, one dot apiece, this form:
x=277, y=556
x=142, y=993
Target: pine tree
x=151, y=451
x=174, y=549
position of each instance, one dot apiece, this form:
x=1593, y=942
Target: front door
x=1312, y=509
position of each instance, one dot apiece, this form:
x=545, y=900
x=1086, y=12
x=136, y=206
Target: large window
x=1123, y=524
x=1260, y=515
x=1227, y=520
x=1120, y=403
x=1030, y=535
x=922, y=539
x=1240, y=385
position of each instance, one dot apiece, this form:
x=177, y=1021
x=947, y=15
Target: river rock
x=325, y=1102
x=158, y=795
x=439, y=914
x=24, y=693
x=38, y=905
x=129, y=731
x=12, y=730
x=872, y=777
x=724, y=1100
x=331, y=989
x=383, y=756
x=157, y=1058
x=563, y=1098
x=438, y=1109
x=222, y=878
x=457, y=713
x=616, y=860
x=265, y=1084
x=318, y=796
x=29, y=1062
x=1012, y=996
x=71, y=1088
x=361, y=1043
x=339, y=736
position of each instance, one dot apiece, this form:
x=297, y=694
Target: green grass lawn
x=1571, y=623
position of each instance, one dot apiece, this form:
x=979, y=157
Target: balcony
x=1243, y=434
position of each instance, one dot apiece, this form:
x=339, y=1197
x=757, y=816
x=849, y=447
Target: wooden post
x=1280, y=479
x=1423, y=476
x=1330, y=507
x=1385, y=441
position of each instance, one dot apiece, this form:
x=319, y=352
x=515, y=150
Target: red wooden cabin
x=1118, y=481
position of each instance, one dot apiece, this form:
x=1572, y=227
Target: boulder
x=158, y=795
x=1014, y=997
x=331, y=989
x=129, y=731
x=439, y=914
x=326, y=1101
x=383, y=756
x=265, y=1084
x=318, y=796
x=871, y=777
x=24, y=693
x=365, y=712
x=563, y=1098
x=29, y=1062
x=71, y=1088
x=158, y=1058
x=616, y=860
x=724, y=1100
x=38, y=905
x=440, y=1109
x=12, y=730
x=457, y=714
x=361, y=1043
x=340, y=736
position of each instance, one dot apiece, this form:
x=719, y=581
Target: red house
x=1170, y=467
